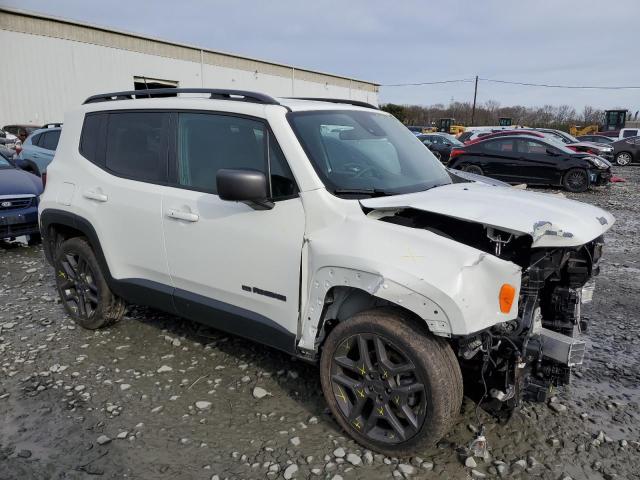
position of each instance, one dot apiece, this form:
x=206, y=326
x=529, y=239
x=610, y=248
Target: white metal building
x=55, y=64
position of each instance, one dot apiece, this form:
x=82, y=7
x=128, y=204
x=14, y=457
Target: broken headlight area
x=502, y=244
x=523, y=359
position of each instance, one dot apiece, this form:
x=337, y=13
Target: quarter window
x=92, y=136
x=207, y=143
x=137, y=145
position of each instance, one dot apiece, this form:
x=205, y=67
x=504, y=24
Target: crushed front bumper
x=599, y=177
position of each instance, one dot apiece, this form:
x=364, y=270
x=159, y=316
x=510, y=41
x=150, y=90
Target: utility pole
x=475, y=95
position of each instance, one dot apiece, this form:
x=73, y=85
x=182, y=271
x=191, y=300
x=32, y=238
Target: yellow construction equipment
x=448, y=125
x=577, y=130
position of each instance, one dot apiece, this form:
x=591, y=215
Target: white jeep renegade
x=325, y=229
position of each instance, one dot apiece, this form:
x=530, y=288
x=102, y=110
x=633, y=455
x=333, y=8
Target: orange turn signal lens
x=507, y=294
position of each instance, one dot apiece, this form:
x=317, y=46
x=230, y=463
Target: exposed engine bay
x=523, y=358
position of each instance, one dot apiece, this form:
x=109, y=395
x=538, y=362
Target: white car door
x=233, y=267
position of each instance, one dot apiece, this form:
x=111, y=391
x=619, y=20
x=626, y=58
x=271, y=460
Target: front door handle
x=97, y=196
x=182, y=215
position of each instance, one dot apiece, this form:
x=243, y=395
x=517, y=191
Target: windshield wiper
x=372, y=192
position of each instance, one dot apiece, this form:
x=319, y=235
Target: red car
x=502, y=133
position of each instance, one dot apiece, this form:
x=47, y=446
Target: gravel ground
x=159, y=397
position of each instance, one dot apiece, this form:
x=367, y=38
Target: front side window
x=137, y=145
x=208, y=142
x=366, y=152
x=531, y=147
x=503, y=145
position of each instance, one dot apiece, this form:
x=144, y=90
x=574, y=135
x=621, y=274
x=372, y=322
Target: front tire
x=82, y=287
x=476, y=170
x=623, y=159
x=390, y=384
x=576, y=180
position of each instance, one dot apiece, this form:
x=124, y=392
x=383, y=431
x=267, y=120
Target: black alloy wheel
x=377, y=388
x=576, y=180
x=390, y=384
x=82, y=286
x=78, y=288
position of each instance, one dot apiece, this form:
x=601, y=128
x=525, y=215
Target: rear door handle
x=182, y=215
x=97, y=196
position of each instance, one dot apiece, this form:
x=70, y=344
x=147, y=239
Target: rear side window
x=136, y=145
x=49, y=140
x=35, y=140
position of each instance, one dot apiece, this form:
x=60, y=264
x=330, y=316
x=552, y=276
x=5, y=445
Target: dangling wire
x=485, y=361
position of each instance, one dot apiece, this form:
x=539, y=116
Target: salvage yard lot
x=160, y=397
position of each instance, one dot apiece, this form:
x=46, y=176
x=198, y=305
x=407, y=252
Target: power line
x=588, y=87
x=426, y=83
x=524, y=84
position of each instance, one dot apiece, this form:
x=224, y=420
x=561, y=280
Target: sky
x=588, y=42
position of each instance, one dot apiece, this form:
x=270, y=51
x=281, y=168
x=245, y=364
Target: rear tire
x=623, y=159
x=402, y=394
x=576, y=180
x=82, y=287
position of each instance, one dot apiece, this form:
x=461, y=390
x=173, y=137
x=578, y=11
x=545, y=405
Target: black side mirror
x=246, y=186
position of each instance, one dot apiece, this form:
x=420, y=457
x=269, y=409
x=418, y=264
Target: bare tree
x=488, y=113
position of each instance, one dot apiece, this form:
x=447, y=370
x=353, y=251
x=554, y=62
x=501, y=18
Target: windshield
x=366, y=152
x=452, y=140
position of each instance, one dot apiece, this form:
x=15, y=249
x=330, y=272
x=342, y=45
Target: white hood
x=550, y=220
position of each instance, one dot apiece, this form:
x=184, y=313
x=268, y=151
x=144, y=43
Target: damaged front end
x=523, y=358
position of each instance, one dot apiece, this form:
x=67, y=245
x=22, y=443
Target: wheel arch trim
x=51, y=217
x=376, y=285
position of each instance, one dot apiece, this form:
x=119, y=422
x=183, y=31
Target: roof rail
x=355, y=103
x=214, y=93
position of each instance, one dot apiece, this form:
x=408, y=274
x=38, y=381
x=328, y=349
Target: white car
x=328, y=231
x=628, y=132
